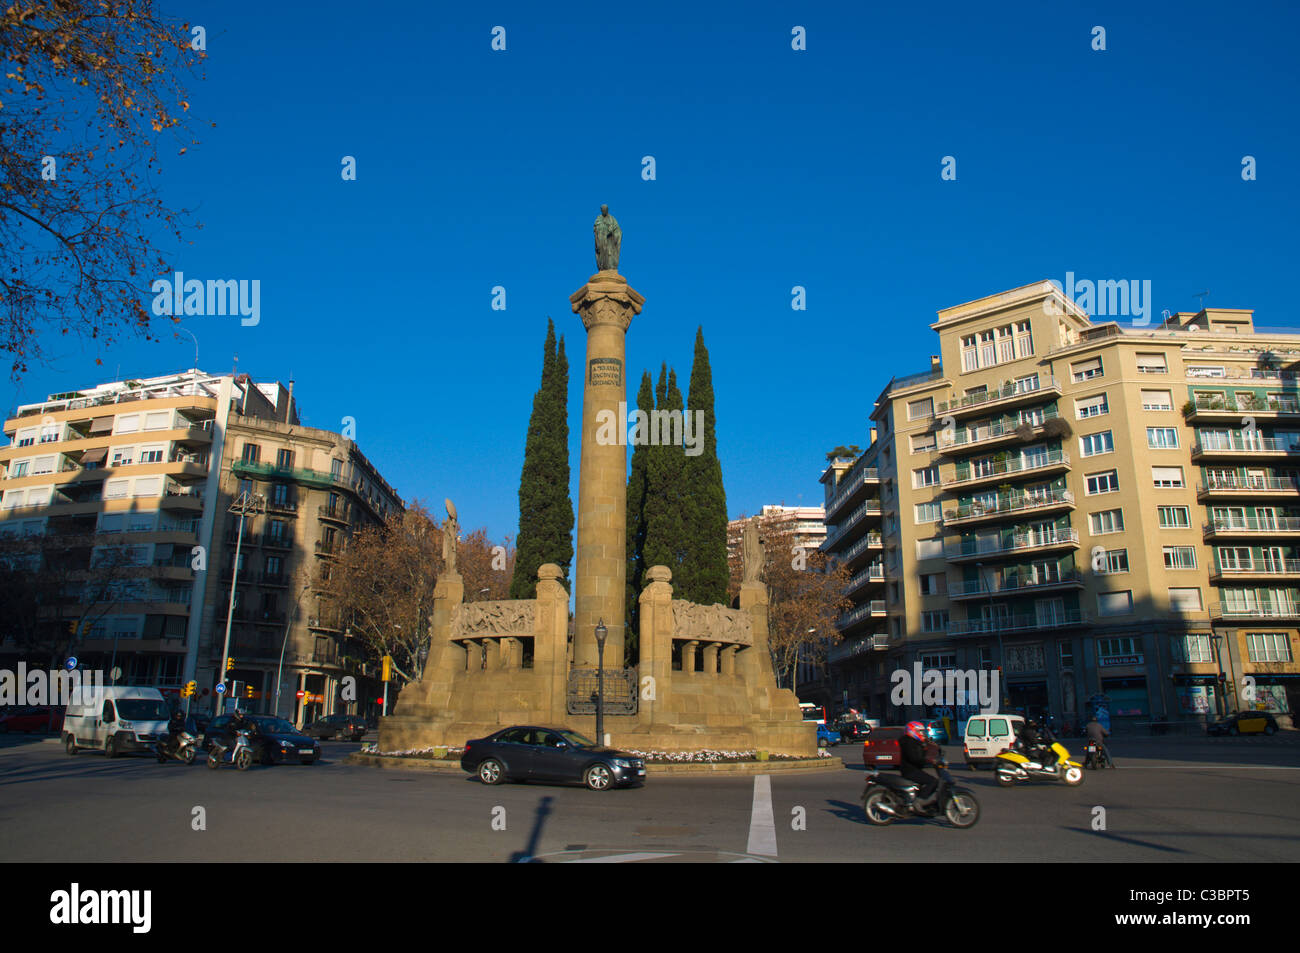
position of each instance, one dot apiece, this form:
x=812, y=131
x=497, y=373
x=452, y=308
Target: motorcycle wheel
x=1073, y=776
x=162, y=759
x=243, y=760
x=1005, y=780
x=213, y=762
x=963, y=811
x=872, y=807
x=188, y=756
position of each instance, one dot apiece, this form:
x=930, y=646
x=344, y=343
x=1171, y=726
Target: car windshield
x=274, y=726
x=577, y=740
x=141, y=709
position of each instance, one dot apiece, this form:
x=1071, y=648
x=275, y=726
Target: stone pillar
x=606, y=304
x=688, y=657
x=729, y=659
x=656, y=643
x=493, y=649
x=550, y=638
x=711, y=658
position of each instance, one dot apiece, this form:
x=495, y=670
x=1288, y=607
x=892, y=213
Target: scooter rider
x=238, y=722
x=1036, y=743
x=912, y=763
x=175, y=725
x=1097, y=734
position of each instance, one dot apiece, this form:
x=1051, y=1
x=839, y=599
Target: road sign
x=221, y=689
x=116, y=673
x=71, y=663
x=302, y=694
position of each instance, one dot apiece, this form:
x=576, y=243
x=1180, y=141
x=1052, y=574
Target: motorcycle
x=890, y=797
x=241, y=755
x=182, y=748
x=1096, y=756
x=1012, y=768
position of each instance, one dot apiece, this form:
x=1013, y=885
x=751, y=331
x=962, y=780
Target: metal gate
x=620, y=691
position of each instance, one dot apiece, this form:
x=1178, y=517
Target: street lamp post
x=601, y=633
x=279, y=669
x=1002, y=657
x=1220, y=688
x=247, y=505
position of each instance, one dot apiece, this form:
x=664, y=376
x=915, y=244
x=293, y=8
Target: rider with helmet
x=912, y=748
x=1035, y=740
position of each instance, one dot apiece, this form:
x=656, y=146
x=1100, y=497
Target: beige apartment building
x=133, y=480
x=1105, y=513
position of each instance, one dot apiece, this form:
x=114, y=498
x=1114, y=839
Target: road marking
x=762, y=823
x=622, y=858
x=1198, y=767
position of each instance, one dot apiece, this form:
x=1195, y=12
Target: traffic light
x=72, y=628
x=230, y=664
x=388, y=668
x=248, y=691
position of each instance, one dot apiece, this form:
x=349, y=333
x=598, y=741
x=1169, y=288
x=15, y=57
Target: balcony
x=282, y=508
x=1238, y=443
x=1251, y=526
x=1016, y=584
x=269, y=471
x=858, y=645
x=1228, y=408
x=1248, y=486
x=875, y=573
x=854, y=484
x=966, y=550
x=870, y=610
x=856, y=521
x=1272, y=611
x=1267, y=569
x=1066, y=619
x=1009, y=430
x=865, y=546
x=328, y=549
x=1009, y=505
x=271, y=541
x=337, y=514
x=1011, y=394
x=276, y=580
x=178, y=497
x=1053, y=461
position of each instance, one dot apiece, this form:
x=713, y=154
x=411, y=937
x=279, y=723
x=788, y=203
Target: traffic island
x=736, y=765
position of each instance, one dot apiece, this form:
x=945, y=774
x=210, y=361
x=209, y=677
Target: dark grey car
x=533, y=753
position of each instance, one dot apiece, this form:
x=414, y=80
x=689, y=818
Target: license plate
x=883, y=757
x=640, y=770
x=306, y=751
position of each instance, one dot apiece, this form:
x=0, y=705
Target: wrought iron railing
x=619, y=693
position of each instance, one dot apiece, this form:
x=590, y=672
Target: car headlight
x=286, y=744
x=622, y=763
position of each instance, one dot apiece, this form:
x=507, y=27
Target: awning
x=94, y=455
x=101, y=425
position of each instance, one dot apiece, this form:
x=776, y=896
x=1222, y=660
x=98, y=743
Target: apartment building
x=1101, y=512
x=125, y=488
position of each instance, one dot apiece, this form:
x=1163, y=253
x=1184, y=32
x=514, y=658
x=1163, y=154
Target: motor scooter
x=240, y=754
x=183, y=748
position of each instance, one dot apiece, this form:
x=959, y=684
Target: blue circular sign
x=221, y=689
x=71, y=663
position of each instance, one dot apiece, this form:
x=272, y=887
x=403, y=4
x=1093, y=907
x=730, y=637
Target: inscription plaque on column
x=602, y=371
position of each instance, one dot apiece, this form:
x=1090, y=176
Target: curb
x=652, y=770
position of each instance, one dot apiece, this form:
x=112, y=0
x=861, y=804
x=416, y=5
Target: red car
x=29, y=718
x=881, y=748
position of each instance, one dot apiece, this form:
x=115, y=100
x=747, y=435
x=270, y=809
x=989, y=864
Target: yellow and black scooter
x=1012, y=767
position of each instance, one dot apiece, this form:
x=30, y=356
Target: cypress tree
x=636, y=499
x=705, y=573
x=545, y=510
x=664, y=512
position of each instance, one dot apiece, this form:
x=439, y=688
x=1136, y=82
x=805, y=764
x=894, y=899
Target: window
x=1174, y=517
x=1024, y=340
x=1152, y=364
x=42, y=465
x=27, y=437
x=151, y=454
x=280, y=494
x=50, y=433
x=1162, y=438
x=150, y=486
x=1157, y=400
x=1115, y=560
x=926, y=476
x=928, y=512
x=1194, y=647
x=1107, y=521
x=1006, y=345
x=116, y=489
x=336, y=469
x=1115, y=603
x=943, y=662
x=929, y=548
x=284, y=459
x=18, y=470
x=922, y=442
x=1268, y=647
x=1180, y=557
x=1096, y=443
x=251, y=452
x=128, y=423
x=1066, y=652
x=123, y=457
x=920, y=409
x=1086, y=370
x=1185, y=600
x=275, y=530
x=934, y=584
x=1121, y=647
x=1167, y=477
x=1095, y=406
x=158, y=420
x=1107, y=482
x=935, y=620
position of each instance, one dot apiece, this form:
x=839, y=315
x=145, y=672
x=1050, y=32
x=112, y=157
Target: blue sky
x=775, y=168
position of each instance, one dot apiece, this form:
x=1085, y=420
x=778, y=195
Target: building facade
x=1103, y=514
x=126, y=487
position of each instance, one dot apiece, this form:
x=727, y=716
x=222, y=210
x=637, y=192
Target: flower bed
x=439, y=753
x=704, y=756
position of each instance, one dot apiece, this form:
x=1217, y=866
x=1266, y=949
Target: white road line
x=762, y=824
x=621, y=858
x=1198, y=767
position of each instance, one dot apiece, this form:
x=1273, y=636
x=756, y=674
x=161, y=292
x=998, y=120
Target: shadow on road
x=526, y=856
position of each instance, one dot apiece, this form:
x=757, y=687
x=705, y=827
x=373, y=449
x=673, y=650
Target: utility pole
x=246, y=506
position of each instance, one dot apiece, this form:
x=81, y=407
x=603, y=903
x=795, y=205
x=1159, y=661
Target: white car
x=119, y=719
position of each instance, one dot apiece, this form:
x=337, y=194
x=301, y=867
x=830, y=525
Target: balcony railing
x=911, y=380
x=1007, y=391
x=1029, y=464
x=856, y=646
x=869, y=508
x=873, y=573
x=1276, y=567
x=1235, y=443
x=1015, y=583
x=1014, y=503
x=853, y=616
x=1017, y=623
x=957, y=549
x=852, y=483
x=1254, y=524
x=866, y=542
x=1260, y=405
x=998, y=430
x=1223, y=610
x=1247, y=484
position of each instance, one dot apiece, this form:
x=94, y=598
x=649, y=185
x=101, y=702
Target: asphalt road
x=1182, y=799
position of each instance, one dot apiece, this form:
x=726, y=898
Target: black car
x=530, y=753
x=1244, y=723
x=338, y=727
x=273, y=740
x=854, y=731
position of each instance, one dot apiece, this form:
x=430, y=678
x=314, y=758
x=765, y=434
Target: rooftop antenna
x=1203, y=295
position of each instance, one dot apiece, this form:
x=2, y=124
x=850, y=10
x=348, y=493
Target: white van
x=987, y=736
x=119, y=718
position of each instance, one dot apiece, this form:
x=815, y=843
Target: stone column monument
x=606, y=304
